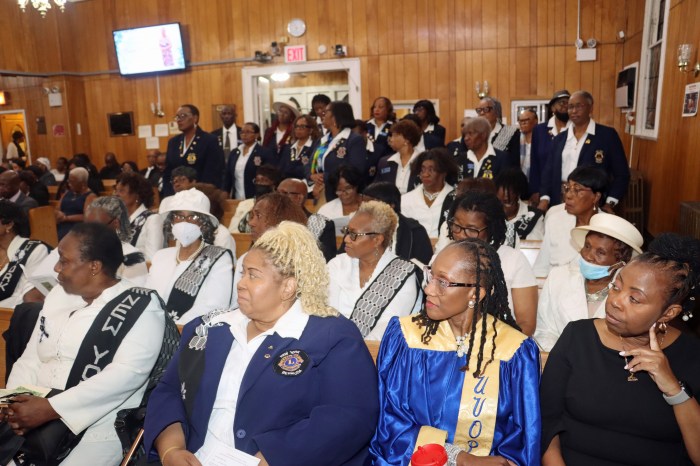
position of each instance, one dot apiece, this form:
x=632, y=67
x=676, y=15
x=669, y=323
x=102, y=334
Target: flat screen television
x=151, y=49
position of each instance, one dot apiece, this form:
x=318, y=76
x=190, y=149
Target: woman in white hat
x=578, y=290
x=194, y=277
x=281, y=133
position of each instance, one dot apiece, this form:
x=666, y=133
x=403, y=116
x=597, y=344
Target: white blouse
x=344, y=290
x=92, y=404
x=150, y=239
x=557, y=246
x=215, y=292
x=413, y=205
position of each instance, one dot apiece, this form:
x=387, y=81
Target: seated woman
x=284, y=379
x=61, y=352
x=523, y=221
x=19, y=256
x=74, y=201
x=194, y=277
x=437, y=173
x=477, y=214
x=582, y=194
x=347, y=184
x=369, y=283
x=578, y=290
x=460, y=371
x=618, y=390
x=146, y=226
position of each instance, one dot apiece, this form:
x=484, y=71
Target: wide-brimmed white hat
x=192, y=200
x=613, y=226
x=289, y=103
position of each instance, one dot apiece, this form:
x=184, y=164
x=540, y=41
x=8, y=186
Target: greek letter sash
x=9, y=279
x=137, y=225
x=187, y=286
x=371, y=304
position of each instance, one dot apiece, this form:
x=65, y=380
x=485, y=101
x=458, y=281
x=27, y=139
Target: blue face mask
x=593, y=271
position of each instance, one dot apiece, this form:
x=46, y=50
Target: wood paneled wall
x=409, y=49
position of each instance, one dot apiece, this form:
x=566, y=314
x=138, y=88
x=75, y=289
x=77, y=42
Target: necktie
x=227, y=146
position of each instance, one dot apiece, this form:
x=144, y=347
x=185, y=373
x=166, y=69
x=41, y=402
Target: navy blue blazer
x=386, y=171
x=539, y=151
x=205, y=155
x=601, y=150
x=258, y=157
x=490, y=167
x=435, y=138
x=219, y=133
x=457, y=147
x=354, y=153
x=325, y=415
x=297, y=167
x=380, y=139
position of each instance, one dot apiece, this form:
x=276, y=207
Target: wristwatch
x=681, y=397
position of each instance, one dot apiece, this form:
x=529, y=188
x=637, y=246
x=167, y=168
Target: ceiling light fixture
x=42, y=5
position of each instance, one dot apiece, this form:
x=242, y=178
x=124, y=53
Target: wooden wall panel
x=409, y=49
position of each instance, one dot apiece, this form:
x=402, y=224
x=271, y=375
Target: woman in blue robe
x=460, y=373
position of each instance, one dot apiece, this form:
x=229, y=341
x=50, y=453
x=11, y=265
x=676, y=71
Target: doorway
x=12, y=121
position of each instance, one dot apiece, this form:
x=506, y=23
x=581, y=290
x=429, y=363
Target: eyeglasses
x=470, y=232
x=575, y=189
x=302, y=126
x=187, y=218
x=575, y=107
x=182, y=116
x=345, y=191
x=354, y=235
x=525, y=120
x=442, y=284
x=481, y=111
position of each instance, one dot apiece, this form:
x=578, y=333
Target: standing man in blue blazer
x=584, y=143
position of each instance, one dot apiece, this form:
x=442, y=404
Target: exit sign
x=294, y=53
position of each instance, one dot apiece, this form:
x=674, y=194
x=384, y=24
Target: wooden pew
x=243, y=242
x=229, y=210
x=42, y=225
x=5, y=315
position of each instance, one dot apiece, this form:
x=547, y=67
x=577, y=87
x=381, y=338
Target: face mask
x=261, y=189
x=592, y=271
x=562, y=116
x=186, y=233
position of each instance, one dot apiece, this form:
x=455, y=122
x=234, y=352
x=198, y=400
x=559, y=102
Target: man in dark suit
x=9, y=189
x=584, y=143
x=152, y=169
x=229, y=135
x=193, y=148
x=542, y=137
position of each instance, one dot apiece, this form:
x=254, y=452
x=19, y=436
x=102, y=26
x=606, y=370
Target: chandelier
x=42, y=5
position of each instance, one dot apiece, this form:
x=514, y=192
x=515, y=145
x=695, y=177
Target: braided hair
x=482, y=260
x=487, y=204
x=679, y=258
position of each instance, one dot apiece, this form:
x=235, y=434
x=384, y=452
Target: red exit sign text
x=294, y=53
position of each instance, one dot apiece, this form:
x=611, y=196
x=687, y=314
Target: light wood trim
x=5, y=315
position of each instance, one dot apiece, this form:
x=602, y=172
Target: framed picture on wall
x=121, y=124
x=539, y=106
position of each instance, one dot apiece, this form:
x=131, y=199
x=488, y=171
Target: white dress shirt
x=413, y=205
x=150, y=240
x=220, y=428
x=239, y=172
x=403, y=172
x=572, y=150
x=214, y=293
x=557, y=245
x=93, y=403
x=562, y=300
x=35, y=258
x=344, y=290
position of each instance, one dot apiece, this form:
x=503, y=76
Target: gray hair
x=480, y=124
x=114, y=207
x=80, y=173
x=586, y=95
x=497, y=107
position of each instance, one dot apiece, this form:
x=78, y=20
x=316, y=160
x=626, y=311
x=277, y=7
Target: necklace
x=192, y=256
x=632, y=377
x=597, y=296
x=430, y=196
x=461, y=344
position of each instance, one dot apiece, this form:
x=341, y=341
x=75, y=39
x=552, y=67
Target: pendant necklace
x=462, y=344
x=430, y=196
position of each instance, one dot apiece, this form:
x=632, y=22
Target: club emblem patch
x=291, y=363
x=191, y=158
x=599, y=156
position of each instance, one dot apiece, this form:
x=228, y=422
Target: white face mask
x=186, y=233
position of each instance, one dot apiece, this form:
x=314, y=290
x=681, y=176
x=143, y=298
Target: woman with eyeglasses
x=369, y=283
x=243, y=162
x=479, y=214
x=348, y=183
x=437, y=172
x=194, y=277
x=582, y=193
x=578, y=290
x=459, y=373
x=502, y=137
x=295, y=156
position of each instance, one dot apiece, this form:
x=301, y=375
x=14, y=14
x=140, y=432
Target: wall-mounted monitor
x=152, y=49
x=121, y=124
